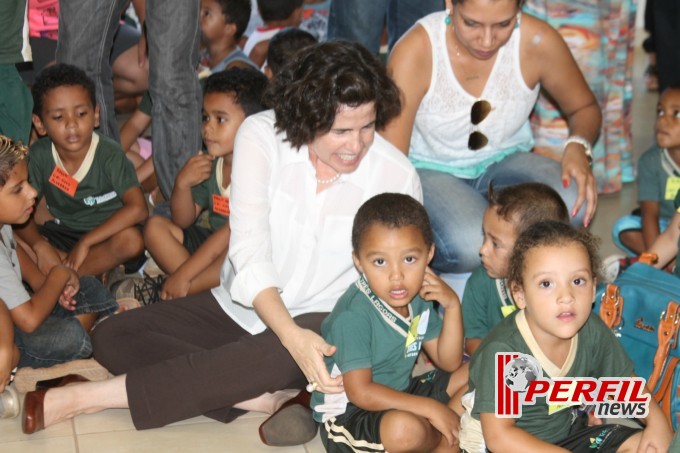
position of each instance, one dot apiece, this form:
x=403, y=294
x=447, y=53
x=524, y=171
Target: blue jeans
x=456, y=206
x=362, y=21
x=61, y=337
x=86, y=31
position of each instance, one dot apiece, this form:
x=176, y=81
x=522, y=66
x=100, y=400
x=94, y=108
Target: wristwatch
x=583, y=142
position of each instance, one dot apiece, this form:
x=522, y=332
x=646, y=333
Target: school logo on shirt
x=416, y=333
x=91, y=201
x=519, y=381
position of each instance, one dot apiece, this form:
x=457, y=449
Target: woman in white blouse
x=300, y=173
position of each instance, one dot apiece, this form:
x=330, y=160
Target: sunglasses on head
x=480, y=110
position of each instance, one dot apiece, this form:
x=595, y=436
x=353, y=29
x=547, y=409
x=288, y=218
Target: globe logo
x=520, y=371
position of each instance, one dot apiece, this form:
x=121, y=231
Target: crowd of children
x=532, y=293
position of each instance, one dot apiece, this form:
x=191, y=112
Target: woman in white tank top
x=470, y=77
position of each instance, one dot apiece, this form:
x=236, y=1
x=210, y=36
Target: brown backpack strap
x=611, y=306
x=667, y=335
x=664, y=394
x=648, y=258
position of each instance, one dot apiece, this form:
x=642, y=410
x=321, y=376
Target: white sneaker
x=611, y=267
x=9, y=403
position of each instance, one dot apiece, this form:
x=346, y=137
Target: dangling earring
x=447, y=20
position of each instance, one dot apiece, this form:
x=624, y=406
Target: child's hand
x=434, y=288
x=175, y=286
x=656, y=437
x=445, y=420
x=77, y=256
x=195, y=171
x=71, y=288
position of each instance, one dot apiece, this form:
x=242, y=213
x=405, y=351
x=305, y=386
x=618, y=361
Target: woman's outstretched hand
x=575, y=165
x=308, y=350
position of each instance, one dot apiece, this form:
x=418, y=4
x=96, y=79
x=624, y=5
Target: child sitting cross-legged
x=551, y=274
x=53, y=321
x=379, y=326
x=192, y=255
x=658, y=180
x=487, y=298
x=90, y=187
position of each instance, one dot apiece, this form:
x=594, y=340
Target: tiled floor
x=112, y=430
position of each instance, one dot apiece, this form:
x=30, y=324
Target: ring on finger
x=312, y=386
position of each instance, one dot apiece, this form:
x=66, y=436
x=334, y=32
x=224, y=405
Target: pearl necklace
x=329, y=180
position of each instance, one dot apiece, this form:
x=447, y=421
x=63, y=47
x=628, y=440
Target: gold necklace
x=468, y=76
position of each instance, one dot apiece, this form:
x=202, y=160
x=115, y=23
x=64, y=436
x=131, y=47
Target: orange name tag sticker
x=63, y=181
x=220, y=205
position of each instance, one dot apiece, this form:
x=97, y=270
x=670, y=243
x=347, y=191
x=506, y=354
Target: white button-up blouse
x=286, y=235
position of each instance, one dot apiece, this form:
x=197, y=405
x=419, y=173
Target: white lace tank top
x=442, y=125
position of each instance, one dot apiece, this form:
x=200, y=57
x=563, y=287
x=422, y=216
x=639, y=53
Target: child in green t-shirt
x=193, y=255
x=487, y=300
x=90, y=188
x=552, y=276
x=379, y=326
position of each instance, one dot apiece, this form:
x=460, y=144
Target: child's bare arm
x=370, y=396
x=8, y=358
x=666, y=245
x=195, y=171
x=657, y=434
x=29, y=270
x=47, y=255
x=29, y=315
x=133, y=128
x=134, y=211
x=650, y=222
x=447, y=350
x=501, y=435
x=178, y=284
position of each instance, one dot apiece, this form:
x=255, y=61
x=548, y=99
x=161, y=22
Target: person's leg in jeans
x=358, y=20
x=173, y=37
x=402, y=14
x=529, y=167
x=62, y=336
x=56, y=340
x=86, y=31
x=455, y=209
x=191, y=350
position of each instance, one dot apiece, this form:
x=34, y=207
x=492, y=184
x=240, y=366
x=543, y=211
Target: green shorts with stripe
x=359, y=430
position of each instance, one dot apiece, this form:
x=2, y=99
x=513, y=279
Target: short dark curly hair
x=284, y=45
x=309, y=89
x=236, y=12
x=393, y=210
x=56, y=76
x=525, y=204
x=246, y=84
x=549, y=234
x=271, y=10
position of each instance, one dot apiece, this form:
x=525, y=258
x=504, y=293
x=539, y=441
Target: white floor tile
x=10, y=431
x=238, y=436
x=51, y=445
